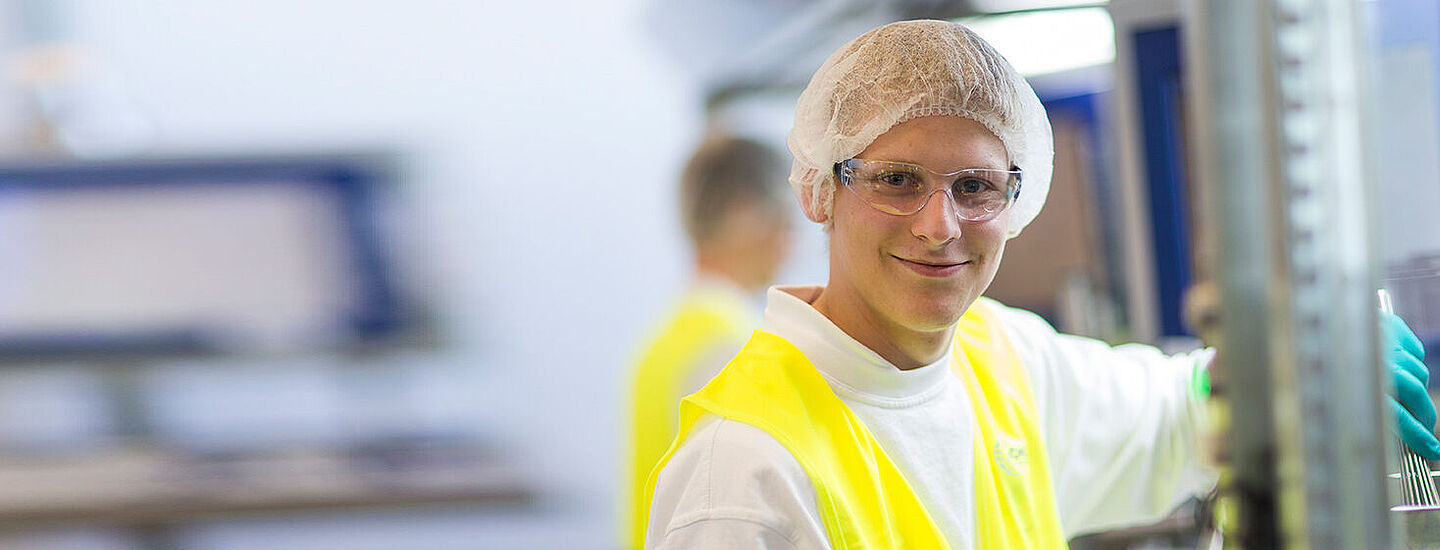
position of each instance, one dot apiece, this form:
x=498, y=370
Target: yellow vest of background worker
x=708, y=327
x=864, y=500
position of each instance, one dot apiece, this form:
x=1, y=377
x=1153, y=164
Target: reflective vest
x=704, y=321
x=863, y=500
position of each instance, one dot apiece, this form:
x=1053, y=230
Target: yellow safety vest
x=703, y=321
x=864, y=501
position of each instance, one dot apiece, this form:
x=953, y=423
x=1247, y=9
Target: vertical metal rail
x=1281, y=101
x=1234, y=123
x=1331, y=307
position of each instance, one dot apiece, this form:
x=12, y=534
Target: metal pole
x=1331, y=308
x=1234, y=127
x=1279, y=118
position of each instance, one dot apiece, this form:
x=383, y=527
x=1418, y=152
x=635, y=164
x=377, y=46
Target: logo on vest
x=1011, y=457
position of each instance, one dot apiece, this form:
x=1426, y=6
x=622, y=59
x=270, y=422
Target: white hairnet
x=908, y=70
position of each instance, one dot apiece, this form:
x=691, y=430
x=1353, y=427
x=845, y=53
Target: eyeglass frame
x=1012, y=193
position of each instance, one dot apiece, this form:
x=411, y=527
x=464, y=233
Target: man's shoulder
x=733, y=450
x=1017, y=322
x=728, y=471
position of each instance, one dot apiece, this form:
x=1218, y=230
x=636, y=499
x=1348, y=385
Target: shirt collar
x=846, y=364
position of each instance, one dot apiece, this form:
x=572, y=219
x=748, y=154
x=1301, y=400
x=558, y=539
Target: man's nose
x=938, y=222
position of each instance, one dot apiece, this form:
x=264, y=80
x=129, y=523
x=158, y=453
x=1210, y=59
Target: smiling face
x=898, y=283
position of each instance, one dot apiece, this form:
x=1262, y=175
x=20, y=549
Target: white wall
x=543, y=139
x=1406, y=127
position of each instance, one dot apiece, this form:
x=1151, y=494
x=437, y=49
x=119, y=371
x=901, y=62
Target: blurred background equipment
x=131, y=266
x=198, y=255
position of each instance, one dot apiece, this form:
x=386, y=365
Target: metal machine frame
x=1279, y=107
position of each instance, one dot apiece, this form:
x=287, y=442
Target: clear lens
x=979, y=194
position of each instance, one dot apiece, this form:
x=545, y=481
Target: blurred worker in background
x=735, y=208
x=894, y=407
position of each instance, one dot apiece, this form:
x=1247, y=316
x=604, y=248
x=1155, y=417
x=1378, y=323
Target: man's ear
x=815, y=212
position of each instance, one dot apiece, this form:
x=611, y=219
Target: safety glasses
x=900, y=188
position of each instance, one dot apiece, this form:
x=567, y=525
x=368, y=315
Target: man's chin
x=945, y=305
x=934, y=319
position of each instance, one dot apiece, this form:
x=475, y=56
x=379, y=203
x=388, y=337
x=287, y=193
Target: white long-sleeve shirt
x=1120, y=428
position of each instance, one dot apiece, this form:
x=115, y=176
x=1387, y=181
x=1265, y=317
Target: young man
x=737, y=215
x=895, y=407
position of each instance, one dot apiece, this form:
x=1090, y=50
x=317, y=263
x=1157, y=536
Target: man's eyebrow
x=982, y=164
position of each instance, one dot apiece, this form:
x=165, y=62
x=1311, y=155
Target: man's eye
x=972, y=185
x=894, y=179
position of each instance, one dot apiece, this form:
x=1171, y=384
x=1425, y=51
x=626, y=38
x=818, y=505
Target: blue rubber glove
x=1414, y=411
